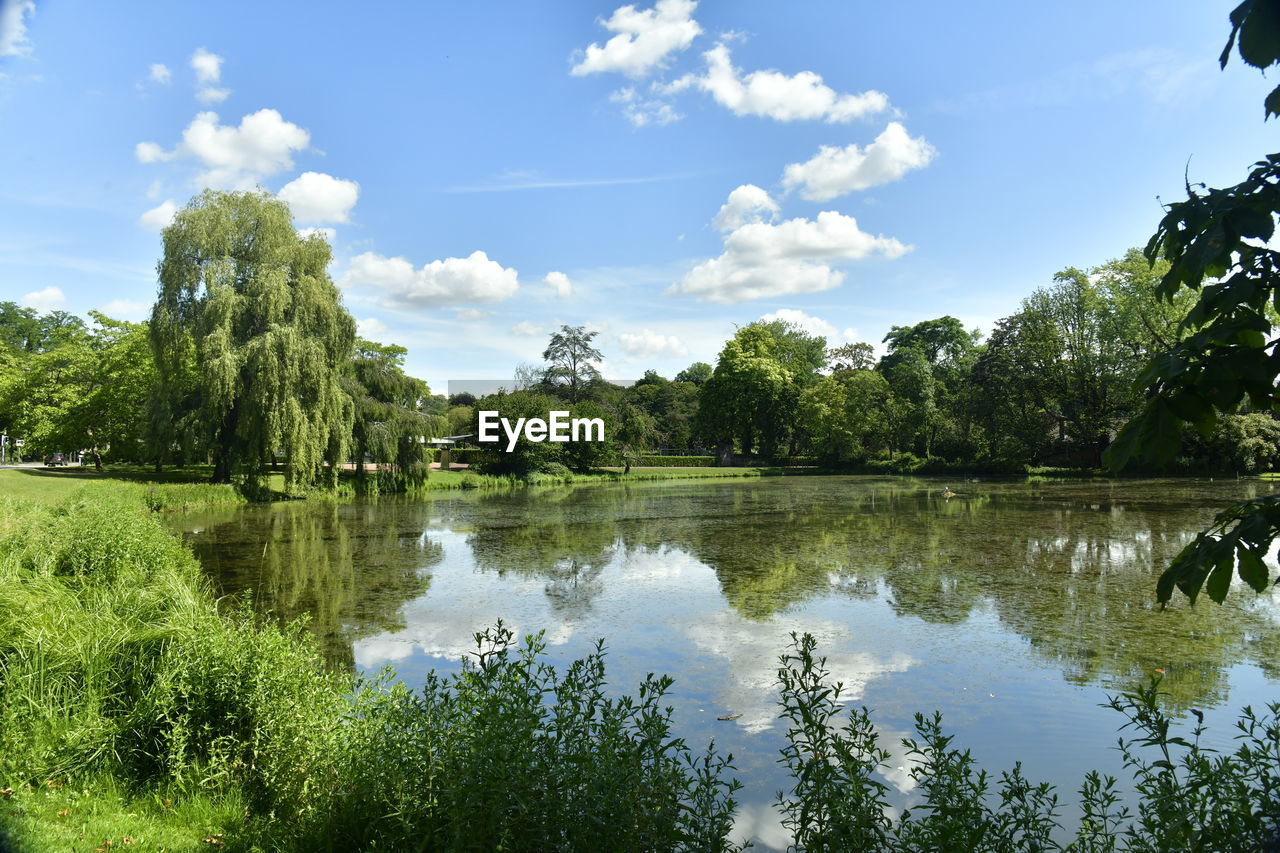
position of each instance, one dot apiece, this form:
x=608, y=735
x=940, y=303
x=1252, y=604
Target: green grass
x=177, y=490
x=96, y=814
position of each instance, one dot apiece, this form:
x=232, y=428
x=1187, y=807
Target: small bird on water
x=947, y=493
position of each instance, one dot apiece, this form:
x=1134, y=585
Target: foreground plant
x=1189, y=798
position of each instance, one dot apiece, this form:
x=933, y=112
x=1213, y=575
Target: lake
x=1014, y=608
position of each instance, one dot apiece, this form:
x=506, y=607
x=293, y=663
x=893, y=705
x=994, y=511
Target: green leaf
x=1122, y=449
x=1252, y=570
x=1160, y=432
x=1260, y=34
x=1272, y=103
x=1220, y=579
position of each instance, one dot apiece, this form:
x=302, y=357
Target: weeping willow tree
x=251, y=340
x=390, y=427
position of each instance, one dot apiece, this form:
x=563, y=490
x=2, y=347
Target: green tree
x=389, y=425
x=249, y=330
x=855, y=356
x=754, y=390
x=697, y=373
x=1216, y=244
x=571, y=360
x=104, y=414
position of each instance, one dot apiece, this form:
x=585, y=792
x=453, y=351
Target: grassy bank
x=468, y=479
x=133, y=714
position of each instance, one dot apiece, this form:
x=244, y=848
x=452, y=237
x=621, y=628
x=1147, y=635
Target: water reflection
x=349, y=568
x=1068, y=567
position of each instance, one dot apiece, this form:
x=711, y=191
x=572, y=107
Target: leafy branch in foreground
x=1216, y=244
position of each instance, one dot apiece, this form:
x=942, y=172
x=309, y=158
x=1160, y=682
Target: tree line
x=250, y=362
x=1050, y=386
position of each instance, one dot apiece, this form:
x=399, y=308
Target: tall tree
x=389, y=425
x=248, y=306
x=571, y=360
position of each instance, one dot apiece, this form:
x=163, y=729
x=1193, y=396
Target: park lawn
x=59, y=816
x=170, y=490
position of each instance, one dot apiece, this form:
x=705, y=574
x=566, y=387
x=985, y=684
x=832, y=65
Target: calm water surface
x=1014, y=608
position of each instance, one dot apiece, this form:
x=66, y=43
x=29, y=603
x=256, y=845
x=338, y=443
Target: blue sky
x=658, y=172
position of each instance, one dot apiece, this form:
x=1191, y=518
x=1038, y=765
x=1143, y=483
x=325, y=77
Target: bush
x=472, y=455
x=511, y=755
x=674, y=462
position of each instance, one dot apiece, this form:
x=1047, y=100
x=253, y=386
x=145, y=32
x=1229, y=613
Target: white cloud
x=161, y=74
x=641, y=111
x=835, y=171
x=208, y=66
x=559, y=282
x=473, y=314
x=209, y=73
x=44, y=300
x=13, y=27
x=234, y=157
x=212, y=95
x=526, y=329
x=317, y=197
x=644, y=41
x=805, y=322
x=452, y=281
x=776, y=95
x=651, y=344
x=747, y=203
x=762, y=259
x=327, y=233
x=125, y=309
x=158, y=217
x=370, y=327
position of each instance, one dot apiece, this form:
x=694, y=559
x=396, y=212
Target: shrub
x=675, y=461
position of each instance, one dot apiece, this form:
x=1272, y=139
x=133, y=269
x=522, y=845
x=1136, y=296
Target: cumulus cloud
x=317, y=197
x=651, y=344
x=645, y=39
x=763, y=259
x=807, y=323
x=747, y=203
x=13, y=27
x=44, y=300
x=160, y=73
x=773, y=94
x=234, y=157
x=452, y=281
x=208, y=68
x=158, y=217
x=643, y=111
x=835, y=171
x=559, y=282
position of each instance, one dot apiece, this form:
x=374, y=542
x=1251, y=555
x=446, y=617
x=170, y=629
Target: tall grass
x=197, y=730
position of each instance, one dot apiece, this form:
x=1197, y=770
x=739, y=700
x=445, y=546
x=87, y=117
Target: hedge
x=675, y=461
